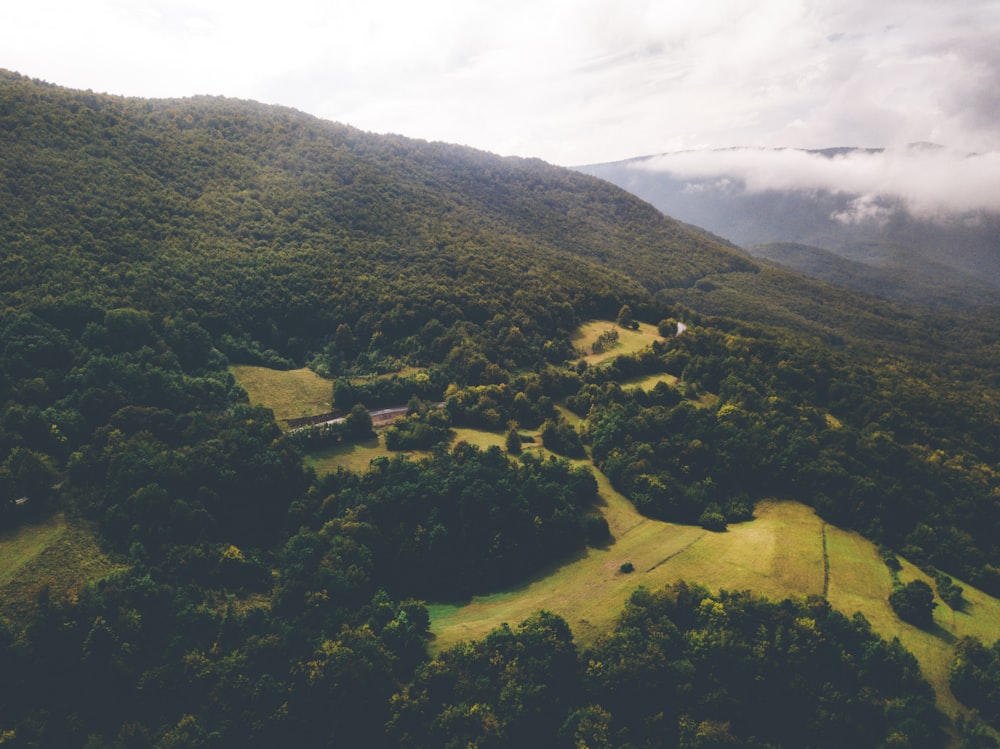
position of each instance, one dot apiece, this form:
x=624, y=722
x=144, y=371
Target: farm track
x=674, y=554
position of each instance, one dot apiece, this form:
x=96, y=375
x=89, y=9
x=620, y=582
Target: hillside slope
x=274, y=228
x=949, y=260
x=148, y=246
x=282, y=226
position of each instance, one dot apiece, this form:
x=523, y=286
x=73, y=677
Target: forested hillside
x=146, y=245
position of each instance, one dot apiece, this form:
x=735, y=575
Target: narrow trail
x=826, y=564
x=679, y=551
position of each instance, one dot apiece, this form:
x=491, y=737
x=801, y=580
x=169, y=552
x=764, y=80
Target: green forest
x=147, y=245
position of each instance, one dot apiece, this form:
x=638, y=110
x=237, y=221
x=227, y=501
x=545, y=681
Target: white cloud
x=928, y=181
x=573, y=81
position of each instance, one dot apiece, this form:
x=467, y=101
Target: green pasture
x=629, y=341
x=786, y=551
x=648, y=382
x=56, y=553
x=290, y=394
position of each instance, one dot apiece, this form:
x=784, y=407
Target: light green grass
x=350, y=456
x=786, y=551
x=357, y=457
x=650, y=381
x=629, y=341
x=56, y=553
x=19, y=547
x=771, y=555
x=294, y=393
x=289, y=394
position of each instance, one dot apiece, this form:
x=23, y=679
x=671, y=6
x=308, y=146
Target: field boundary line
x=826, y=563
x=675, y=553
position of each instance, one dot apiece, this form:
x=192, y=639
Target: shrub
x=595, y=529
x=712, y=520
x=914, y=602
x=626, y=568
x=950, y=593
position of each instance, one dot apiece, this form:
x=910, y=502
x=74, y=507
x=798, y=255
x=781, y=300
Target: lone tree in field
x=626, y=319
x=513, y=440
x=914, y=603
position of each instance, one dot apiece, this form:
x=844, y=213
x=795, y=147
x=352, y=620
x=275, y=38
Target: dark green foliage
x=358, y=423
x=975, y=677
x=712, y=520
x=596, y=529
x=144, y=243
x=626, y=568
x=667, y=327
x=285, y=233
x=466, y=520
x=682, y=667
x=949, y=592
x=560, y=437
x=770, y=434
x=914, y=602
x=974, y=734
x=605, y=341
x=512, y=442
x=626, y=319
x=513, y=688
x=419, y=431
x=682, y=660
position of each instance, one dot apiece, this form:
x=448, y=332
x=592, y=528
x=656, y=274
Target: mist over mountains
x=920, y=223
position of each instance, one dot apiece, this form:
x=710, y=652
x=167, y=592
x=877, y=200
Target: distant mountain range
x=870, y=243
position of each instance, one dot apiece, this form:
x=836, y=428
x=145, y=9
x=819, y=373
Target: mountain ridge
x=875, y=229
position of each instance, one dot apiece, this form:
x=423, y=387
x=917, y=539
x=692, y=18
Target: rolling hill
x=148, y=248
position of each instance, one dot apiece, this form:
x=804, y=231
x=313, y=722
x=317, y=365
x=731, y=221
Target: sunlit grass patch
x=648, y=382
x=290, y=394
x=350, y=456
x=59, y=554
x=787, y=551
x=629, y=341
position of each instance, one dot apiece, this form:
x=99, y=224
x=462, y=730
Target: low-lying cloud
x=928, y=181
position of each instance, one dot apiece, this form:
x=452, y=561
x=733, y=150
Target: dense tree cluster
x=682, y=668
x=975, y=677
x=465, y=520
x=793, y=421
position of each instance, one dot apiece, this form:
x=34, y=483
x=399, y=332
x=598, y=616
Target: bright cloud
x=571, y=81
x=927, y=180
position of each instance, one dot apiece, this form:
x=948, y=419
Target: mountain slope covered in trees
x=144, y=245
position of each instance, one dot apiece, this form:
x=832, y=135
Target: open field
x=356, y=457
x=53, y=552
x=629, y=341
x=786, y=551
x=290, y=394
x=649, y=381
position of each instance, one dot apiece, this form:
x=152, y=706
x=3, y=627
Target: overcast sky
x=569, y=81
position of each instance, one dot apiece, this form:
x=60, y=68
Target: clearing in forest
x=290, y=394
x=55, y=553
x=787, y=551
x=629, y=341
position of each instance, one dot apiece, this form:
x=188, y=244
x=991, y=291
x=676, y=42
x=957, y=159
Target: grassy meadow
x=629, y=341
x=56, y=553
x=289, y=394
